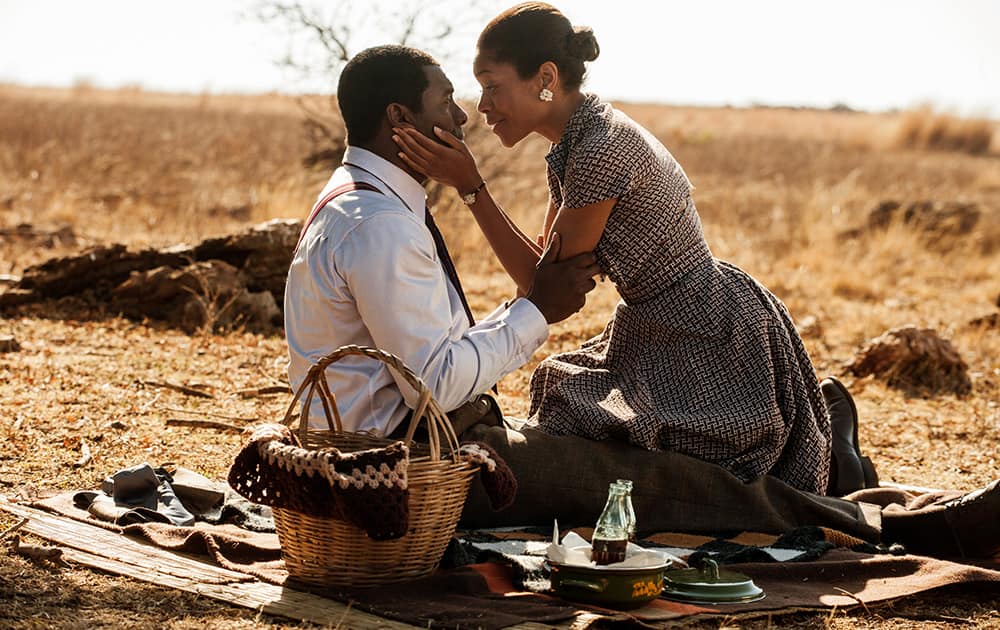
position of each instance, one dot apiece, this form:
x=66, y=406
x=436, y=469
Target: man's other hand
x=560, y=287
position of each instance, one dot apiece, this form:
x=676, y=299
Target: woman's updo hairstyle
x=529, y=34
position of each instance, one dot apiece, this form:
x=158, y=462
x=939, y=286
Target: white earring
x=545, y=95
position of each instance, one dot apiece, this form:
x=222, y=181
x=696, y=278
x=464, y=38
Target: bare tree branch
x=322, y=40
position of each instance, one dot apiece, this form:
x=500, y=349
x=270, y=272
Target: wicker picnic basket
x=326, y=551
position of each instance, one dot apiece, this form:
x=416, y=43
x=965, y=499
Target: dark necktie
x=449, y=266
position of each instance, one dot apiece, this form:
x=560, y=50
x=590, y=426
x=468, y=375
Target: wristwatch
x=470, y=198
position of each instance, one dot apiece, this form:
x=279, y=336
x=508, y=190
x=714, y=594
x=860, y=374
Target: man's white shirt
x=367, y=273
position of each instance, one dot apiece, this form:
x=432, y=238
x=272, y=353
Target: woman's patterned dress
x=699, y=357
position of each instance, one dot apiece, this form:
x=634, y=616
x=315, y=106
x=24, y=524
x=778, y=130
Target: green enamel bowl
x=708, y=584
x=611, y=588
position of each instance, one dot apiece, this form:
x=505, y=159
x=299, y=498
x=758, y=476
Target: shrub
x=924, y=129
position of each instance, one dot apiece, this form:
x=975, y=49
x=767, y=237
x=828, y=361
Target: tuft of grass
x=924, y=128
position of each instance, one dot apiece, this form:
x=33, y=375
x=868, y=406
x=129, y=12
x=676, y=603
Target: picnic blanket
x=493, y=579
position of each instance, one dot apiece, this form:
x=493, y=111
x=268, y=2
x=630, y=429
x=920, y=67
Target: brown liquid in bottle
x=607, y=551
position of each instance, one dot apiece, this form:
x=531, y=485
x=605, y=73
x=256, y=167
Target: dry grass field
x=777, y=190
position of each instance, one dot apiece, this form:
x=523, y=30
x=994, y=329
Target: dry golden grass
x=775, y=189
x=146, y=169
x=924, y=129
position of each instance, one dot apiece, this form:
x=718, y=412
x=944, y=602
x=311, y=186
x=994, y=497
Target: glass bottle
x=626, y=485
x=611, y=532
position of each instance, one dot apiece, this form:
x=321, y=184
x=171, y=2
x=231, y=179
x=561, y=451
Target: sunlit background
x=859, y=53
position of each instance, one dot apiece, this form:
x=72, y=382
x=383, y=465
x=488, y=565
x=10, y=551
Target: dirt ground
x=785, y=194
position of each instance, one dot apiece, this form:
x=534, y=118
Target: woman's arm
x=451, y=163
x=550, y=218
x=580, y=228
x=517, y=253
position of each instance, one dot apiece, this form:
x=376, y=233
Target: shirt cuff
x=528, y=324
x=496, y=314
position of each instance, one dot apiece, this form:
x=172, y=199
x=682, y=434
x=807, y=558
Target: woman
x=699, y=357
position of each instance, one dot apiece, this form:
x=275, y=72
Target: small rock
x=9, y=344
x=914, y=359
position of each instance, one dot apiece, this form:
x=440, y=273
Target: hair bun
x=582, y=44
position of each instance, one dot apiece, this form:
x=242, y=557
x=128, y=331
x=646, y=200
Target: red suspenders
x=330, y=196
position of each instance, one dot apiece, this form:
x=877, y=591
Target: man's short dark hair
x=375, y=78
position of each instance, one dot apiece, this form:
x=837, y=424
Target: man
x=372, y=270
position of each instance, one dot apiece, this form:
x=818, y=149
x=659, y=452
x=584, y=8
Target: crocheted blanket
x=367, y=488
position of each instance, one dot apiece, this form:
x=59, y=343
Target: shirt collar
x=578, y=122
x=409, y=190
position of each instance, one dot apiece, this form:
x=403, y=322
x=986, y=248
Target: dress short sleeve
x=606, y=166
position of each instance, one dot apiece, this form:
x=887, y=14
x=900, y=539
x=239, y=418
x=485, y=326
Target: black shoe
x=974, y=521
x=849, y=469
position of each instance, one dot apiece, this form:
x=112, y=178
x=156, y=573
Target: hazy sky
x=870, y=54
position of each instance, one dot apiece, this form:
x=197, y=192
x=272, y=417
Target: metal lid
x=708, y=584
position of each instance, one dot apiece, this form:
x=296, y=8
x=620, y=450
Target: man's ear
x=399, y=115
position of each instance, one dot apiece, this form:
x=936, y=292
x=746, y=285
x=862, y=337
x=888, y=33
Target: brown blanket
x=485, y=595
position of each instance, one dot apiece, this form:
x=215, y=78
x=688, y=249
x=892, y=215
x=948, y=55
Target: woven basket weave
x=325, y=551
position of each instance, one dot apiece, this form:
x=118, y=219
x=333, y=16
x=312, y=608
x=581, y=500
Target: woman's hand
x=448, y=161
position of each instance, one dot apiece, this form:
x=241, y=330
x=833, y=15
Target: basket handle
x=438, y=425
